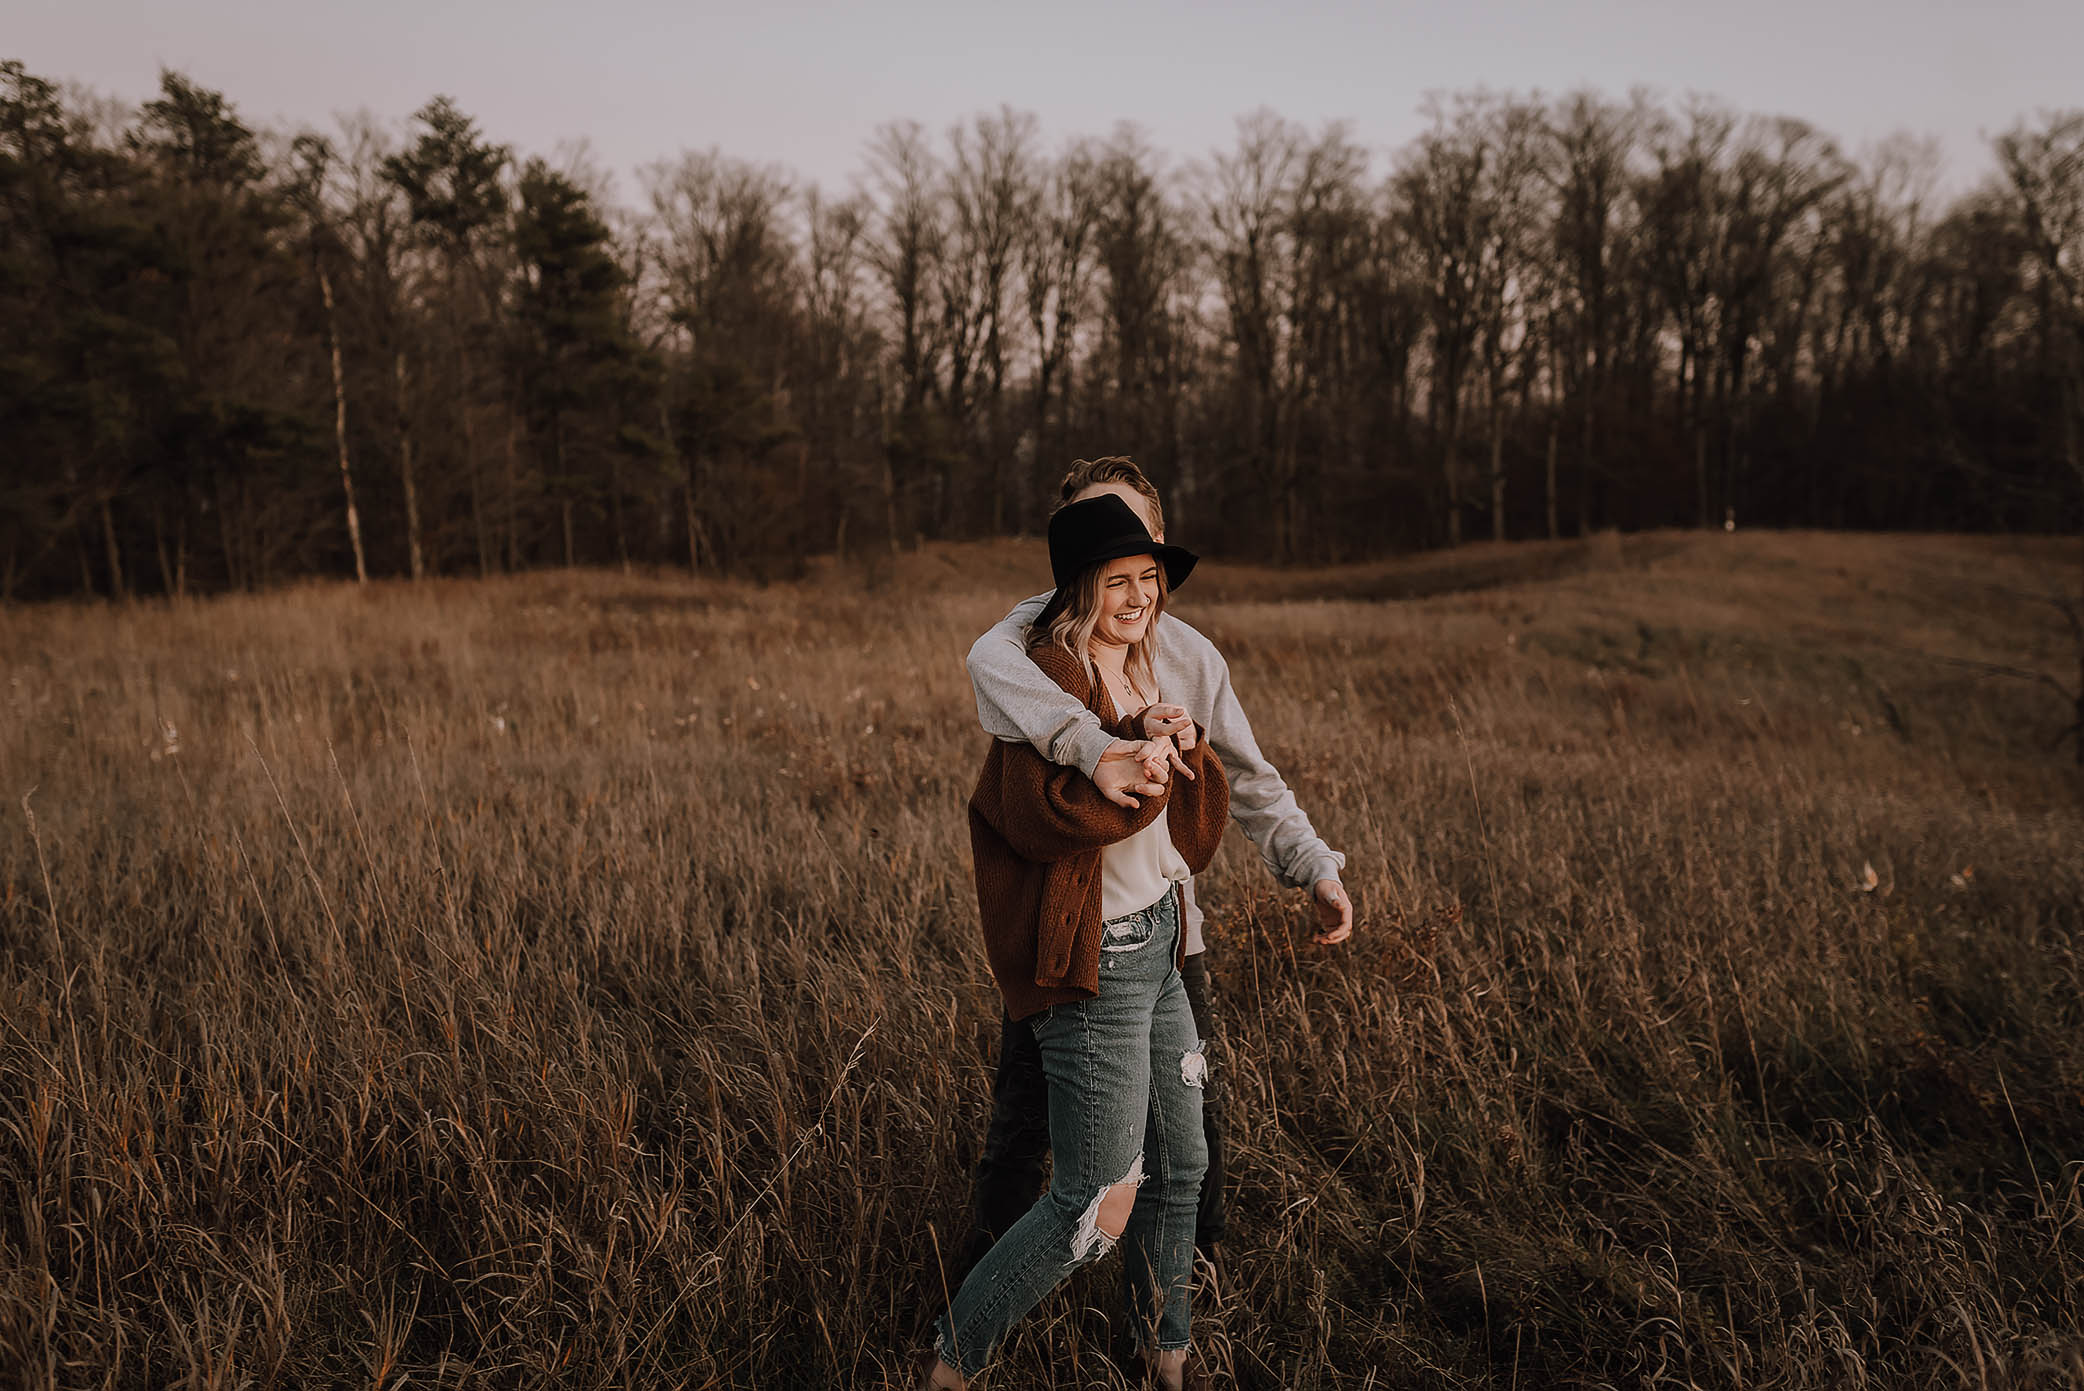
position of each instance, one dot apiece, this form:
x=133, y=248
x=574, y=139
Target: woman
x=1080, y=906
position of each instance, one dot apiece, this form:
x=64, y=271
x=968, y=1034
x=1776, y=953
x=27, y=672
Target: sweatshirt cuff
x=1087, y=744
x=1325, y=866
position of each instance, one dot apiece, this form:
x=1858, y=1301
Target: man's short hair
x=1115, y=468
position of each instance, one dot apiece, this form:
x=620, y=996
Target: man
x=1016, y=702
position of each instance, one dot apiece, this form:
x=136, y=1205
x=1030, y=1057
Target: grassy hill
x=574, y=977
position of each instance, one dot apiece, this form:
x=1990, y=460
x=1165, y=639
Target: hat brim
x=1179, y=562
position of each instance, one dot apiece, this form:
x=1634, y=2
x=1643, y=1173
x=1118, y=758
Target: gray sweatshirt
x=1016, y=702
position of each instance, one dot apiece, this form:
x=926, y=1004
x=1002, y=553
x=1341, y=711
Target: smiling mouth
x=1128, y=615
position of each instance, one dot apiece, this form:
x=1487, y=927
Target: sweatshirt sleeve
x=1260, y=802
x=1017, y=703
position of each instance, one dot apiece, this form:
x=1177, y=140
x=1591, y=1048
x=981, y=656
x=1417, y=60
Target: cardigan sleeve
x=1200, y=805
x=1049, y=812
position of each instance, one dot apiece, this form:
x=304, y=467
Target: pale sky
x=804, y=85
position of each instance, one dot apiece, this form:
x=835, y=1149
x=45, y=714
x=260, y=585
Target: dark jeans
x=1009, y=1172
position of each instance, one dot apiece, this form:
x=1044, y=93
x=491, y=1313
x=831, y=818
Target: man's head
x=1120, y=476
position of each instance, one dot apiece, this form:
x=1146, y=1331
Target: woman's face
x=1128, y=590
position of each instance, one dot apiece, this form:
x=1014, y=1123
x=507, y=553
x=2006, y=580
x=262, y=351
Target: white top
x=1137, y=872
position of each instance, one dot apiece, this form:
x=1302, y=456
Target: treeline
x=232, y=358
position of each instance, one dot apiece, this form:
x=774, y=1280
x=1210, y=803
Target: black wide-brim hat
x=1097, y=530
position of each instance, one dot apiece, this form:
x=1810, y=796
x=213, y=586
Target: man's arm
x=1260, y=801
x=1262, y=804
x=1018, y=704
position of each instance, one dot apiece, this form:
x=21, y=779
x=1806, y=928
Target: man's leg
x=1009, y=1171
x=1208, y=1229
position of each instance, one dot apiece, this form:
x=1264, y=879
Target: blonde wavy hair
x=1072, y=630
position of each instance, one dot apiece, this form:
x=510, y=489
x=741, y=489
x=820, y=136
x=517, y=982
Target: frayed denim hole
x=1193, y=1067
x=1089, y=1242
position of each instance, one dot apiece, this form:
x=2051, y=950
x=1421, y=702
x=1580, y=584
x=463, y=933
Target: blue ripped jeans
x=1126, y=1075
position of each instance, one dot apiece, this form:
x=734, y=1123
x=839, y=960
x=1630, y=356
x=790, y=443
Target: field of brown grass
x=572, y=980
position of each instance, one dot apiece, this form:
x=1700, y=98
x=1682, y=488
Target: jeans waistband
x=1166, y=906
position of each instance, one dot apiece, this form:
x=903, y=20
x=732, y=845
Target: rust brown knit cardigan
x=1037, y=830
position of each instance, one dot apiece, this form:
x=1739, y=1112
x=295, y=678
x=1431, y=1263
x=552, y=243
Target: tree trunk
x=557, y=473
x=233, y=572
x=108, y=536
x=622, y=544
x=1586, y=404
x=412, y=495
x=166, y=568
x=890, y=499
x=470, y=458
x=347, y=477
x=1554, y=430
x=79, y=537
x=1454, y=473
x=1497, y=474
x=512, y=509
x=1700, y=467
x=694, y=528
x=697, y=534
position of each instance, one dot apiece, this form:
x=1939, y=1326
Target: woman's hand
x=1161, y=757
x=1169, y=721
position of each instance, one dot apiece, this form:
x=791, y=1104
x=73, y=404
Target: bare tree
x=1444, y=201
x=1512, y=195
x=993, y=196
x=1321, y=382
x=1781, y=172
x=1056, y=255
x=906, y=251
x=2045, y=167
x=1143, y=257
x=1592, y=142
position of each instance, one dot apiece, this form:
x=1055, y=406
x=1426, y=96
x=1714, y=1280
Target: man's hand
x=1126, y=772
x=1334, y=911
x=1161, y=721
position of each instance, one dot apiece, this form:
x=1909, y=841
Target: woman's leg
x=1096, y=1056
x=1158, y=1249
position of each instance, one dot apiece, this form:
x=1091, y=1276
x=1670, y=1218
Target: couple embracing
x=1119, y=751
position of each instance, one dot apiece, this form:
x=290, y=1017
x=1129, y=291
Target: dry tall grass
x=573, y=979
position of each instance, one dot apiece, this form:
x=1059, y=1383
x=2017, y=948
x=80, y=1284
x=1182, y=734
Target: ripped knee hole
x=1107, y=1215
